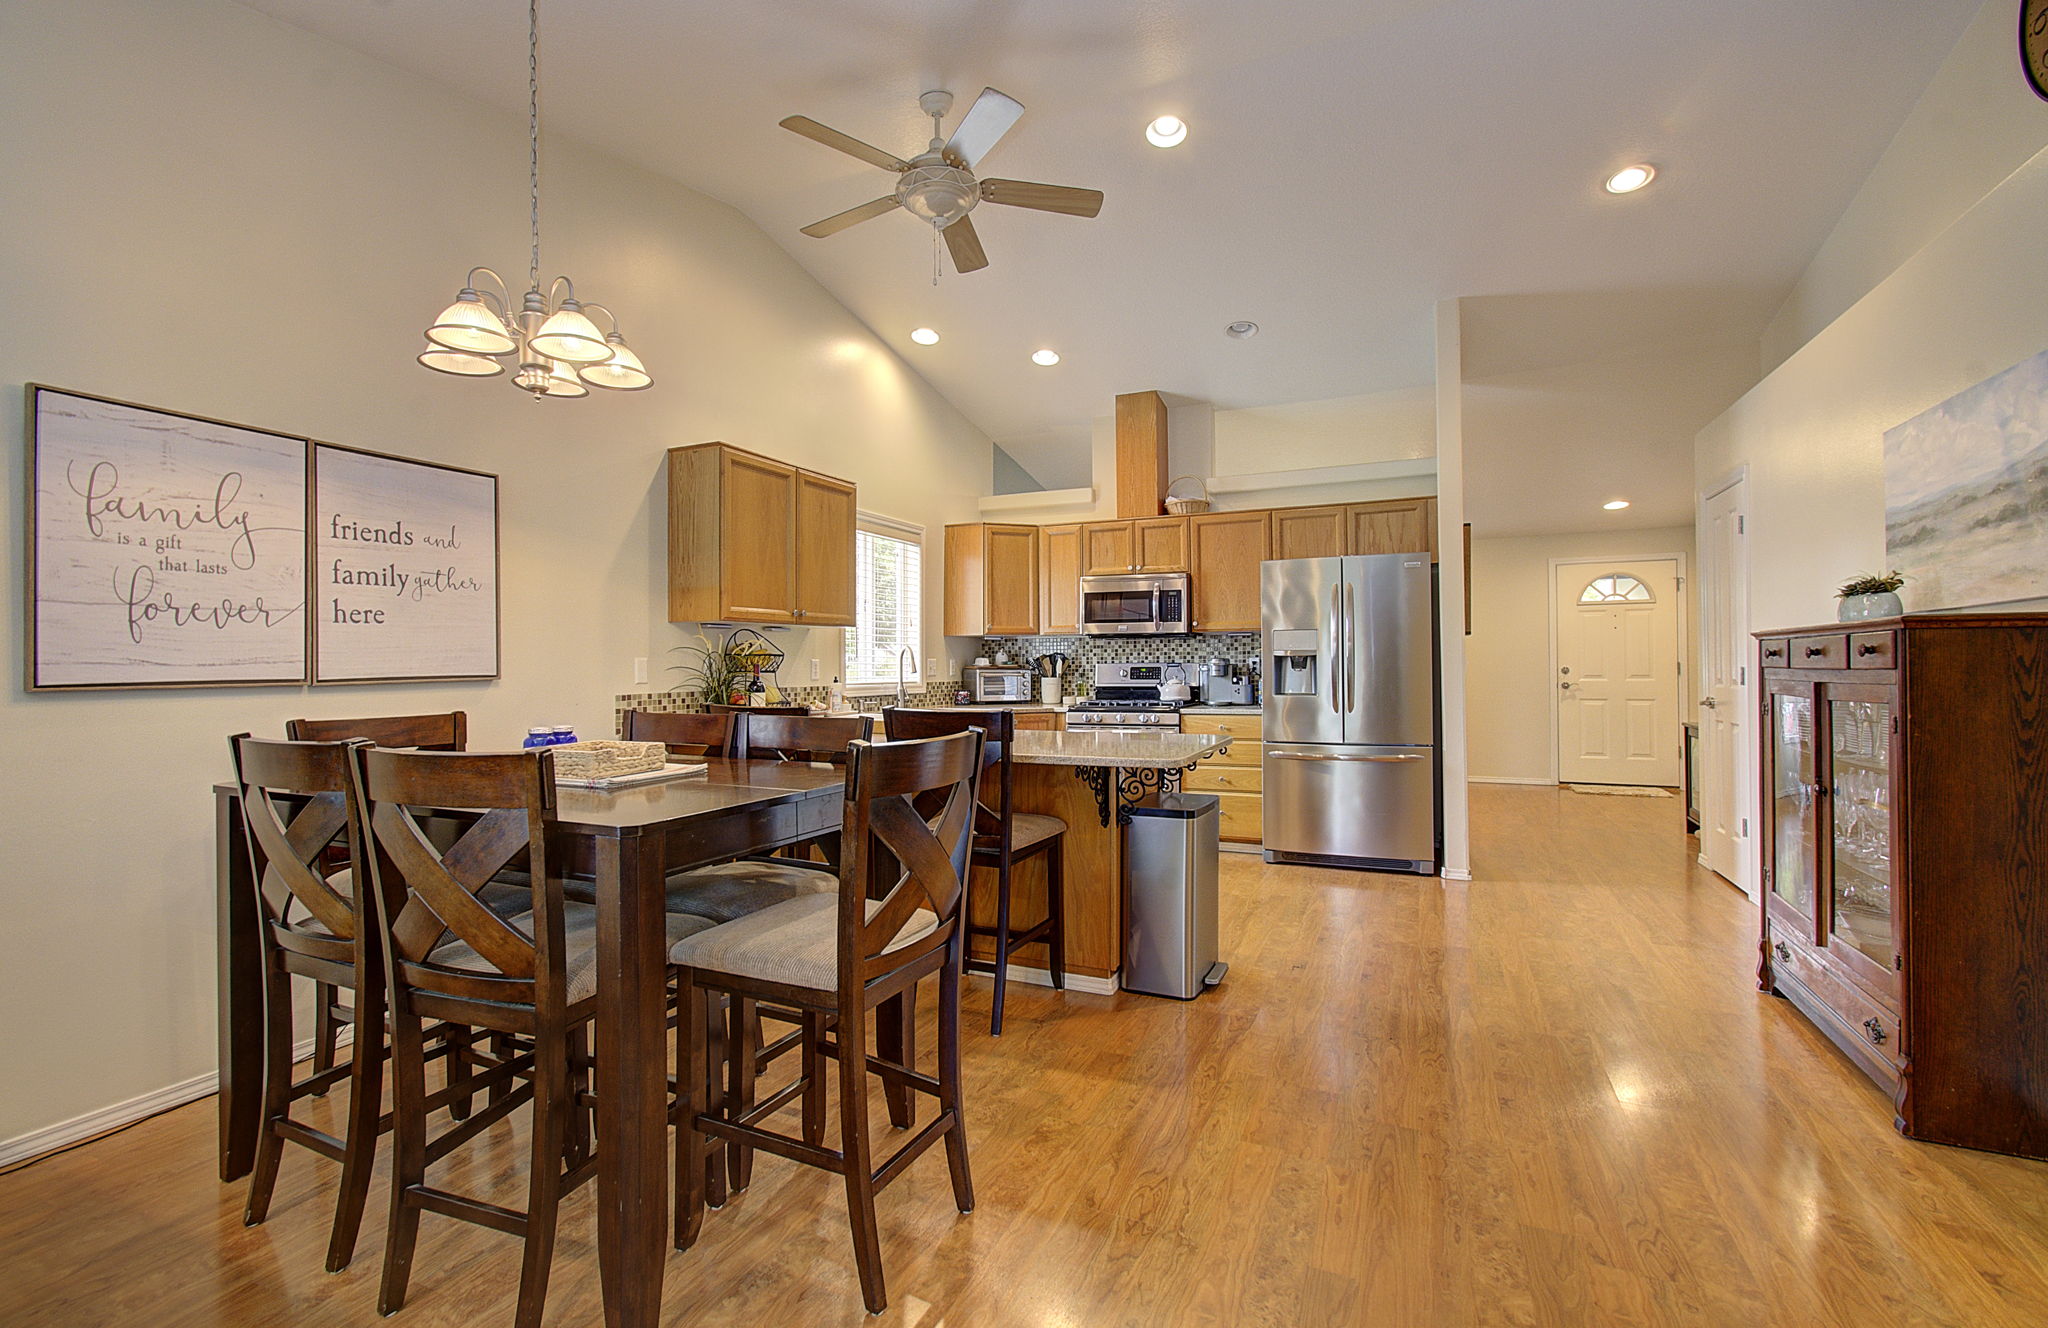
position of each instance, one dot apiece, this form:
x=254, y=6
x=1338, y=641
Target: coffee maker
x=1228, y=683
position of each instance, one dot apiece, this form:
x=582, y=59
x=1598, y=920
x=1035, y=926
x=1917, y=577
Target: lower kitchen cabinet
x=1905, y=886
x=1235, y=776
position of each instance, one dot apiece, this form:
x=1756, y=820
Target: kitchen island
x=1086, y=778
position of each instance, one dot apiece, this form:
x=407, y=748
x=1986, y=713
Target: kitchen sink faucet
x=902, y=694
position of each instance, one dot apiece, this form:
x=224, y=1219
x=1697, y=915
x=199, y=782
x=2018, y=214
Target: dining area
x=660, y=981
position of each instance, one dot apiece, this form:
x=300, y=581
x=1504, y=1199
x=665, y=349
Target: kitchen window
x=889, y=598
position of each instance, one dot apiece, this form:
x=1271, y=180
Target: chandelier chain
x=533, y=132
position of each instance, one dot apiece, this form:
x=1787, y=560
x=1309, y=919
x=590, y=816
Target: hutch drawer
x=1821, y=652
x=1873, y=650
x=1861, y=1017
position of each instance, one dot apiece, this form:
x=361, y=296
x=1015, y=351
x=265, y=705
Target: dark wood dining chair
x=687, y=735
x=531, y=977
x=434, y=733
x=1003, y=837
x=803, y=736
x=721, y=708
x=893, y=920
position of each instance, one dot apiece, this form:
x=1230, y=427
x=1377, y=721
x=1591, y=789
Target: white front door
x=1618, y=679
x=1724, y=687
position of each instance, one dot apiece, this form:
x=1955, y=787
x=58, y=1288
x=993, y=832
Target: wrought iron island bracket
x=1129, y=786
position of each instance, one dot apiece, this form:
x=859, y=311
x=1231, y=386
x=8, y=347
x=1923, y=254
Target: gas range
x=1130, y=696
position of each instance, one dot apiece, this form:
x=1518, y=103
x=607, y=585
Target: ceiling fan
x=938, y=185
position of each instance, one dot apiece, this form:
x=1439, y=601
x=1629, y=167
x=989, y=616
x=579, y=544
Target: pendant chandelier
x=556, y=348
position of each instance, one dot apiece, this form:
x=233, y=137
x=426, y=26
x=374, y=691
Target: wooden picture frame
x=404, y=569
x=164, y=549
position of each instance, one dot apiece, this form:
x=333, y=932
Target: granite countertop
x=1121, y=750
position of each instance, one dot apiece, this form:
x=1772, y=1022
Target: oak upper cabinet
x=1309, y=532
x=1149, y=544
x=753, y=539
x=1226, y=550
x=1404, y=526
x=1059, y=581
x=991, y=580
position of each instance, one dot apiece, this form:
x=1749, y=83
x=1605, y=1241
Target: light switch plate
x=640, y=668
x=814, y=670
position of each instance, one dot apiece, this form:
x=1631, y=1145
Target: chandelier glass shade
x=557, y=349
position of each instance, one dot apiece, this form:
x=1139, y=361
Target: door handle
x=1319, y=756
x=1710, y=703
x=1336, y=651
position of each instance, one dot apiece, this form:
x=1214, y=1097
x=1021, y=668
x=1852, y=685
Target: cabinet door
x=1162, y=544
x=1861, y=929
x=1228, y=549
x=1792, y=792
x=824, y=550
x=1108, y=547
x=1308, y=532
x=1011, y=565
x=1059, y=585
x=1407, y=526
x=757, y=538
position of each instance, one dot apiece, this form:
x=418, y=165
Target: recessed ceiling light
x=1166, y=132
x=1630, y=178
x=924, y=336
x=1048, y=358
x=1243, y=330
x=1616, y=505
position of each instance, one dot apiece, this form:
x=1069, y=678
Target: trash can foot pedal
x=1215, y=973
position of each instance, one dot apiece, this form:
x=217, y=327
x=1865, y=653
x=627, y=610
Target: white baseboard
x=1509, y=779
x=63, y=1134
x=1039, y=977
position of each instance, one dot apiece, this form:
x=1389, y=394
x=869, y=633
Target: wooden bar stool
x=894, y=920
x=531, y=977
x=1003, y=838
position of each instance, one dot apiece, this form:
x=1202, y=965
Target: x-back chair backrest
x=426, y=895
x=428, y=733
x=907, y=831
x=993, y=817
x=297, y=803
x=712, y=734
x=772, y=737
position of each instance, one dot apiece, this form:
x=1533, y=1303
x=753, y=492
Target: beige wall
x=1510, y=694
x=211, y=211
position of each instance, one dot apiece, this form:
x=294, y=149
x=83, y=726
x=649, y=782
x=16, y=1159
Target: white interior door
x=1724, y=687
x=1618, y=672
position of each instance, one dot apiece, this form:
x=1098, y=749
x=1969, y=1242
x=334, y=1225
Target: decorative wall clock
x=2034, y=44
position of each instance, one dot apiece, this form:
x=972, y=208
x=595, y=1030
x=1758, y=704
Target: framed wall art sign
x=164, y=549
x=405, y=569
x=2034, y=44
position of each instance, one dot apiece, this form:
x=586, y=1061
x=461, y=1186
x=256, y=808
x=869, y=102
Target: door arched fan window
x=1616, y=588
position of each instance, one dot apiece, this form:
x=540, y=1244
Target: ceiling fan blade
x=839, y=221
x=965, y=246
x=852, y=147
x=1043, y=197
x=984, y=124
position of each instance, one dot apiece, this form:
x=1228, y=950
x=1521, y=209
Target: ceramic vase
x=1883, y=604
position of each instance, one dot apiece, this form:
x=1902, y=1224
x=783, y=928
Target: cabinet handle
x=1774, y=654
x=1815, y=652
x=1864, y=648
x=1875, y=1030
x=1784, y=952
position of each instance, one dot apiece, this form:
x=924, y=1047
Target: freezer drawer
x=1355, y=802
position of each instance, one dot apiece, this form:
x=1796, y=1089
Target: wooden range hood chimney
x=1140, y=454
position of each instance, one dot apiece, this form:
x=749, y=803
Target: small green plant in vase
x=1870, y=597
x=716, y=669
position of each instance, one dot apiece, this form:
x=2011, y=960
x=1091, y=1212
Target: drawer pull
x=1774, y=653
x=1784, y=952
x=1875, y=1030
x=1815, y=652
x=1864, y=649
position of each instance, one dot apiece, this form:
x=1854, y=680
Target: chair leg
x=578, y=1132
x=1056, y=911
x=853, y=1144
x=459, y=1066
x=408, y=1157
x=693, y=1072
x=551, y=1075
x=365, y=1105
x=717, y=1048
x=744, y=1045
x=814, y=1078
x=896, y=1042
x=277, y=1092
x=326, y=1031
x=1002, y=964
x=949, y=1085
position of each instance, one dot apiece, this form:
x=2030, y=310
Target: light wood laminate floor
x=1550, y=1097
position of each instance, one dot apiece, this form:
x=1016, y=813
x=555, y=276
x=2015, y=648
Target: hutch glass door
x=1860, y=838
x=1795, y=788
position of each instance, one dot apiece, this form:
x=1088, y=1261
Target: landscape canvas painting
x=1966, y=494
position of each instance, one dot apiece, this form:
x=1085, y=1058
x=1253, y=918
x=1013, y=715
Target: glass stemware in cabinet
x=1861, y=847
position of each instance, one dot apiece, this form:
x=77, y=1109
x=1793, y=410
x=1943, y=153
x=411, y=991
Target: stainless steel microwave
x=1145, y=604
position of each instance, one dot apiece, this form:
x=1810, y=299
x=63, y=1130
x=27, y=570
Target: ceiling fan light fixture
x=1045, y=358
x=938, y=194
x=924, y=336
x=1168, y=131
x=1630, y=178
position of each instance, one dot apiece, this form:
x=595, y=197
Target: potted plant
x=1870, y=597
x=715, y=669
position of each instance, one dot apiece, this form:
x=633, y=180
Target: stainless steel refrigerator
x=1351, y=773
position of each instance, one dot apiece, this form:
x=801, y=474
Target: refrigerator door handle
x=1336, y=679
x=1350, y=650
x=1321, y=756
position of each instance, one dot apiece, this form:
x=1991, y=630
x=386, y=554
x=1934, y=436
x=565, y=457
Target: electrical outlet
x=931, y=667
x=640, y=668
x=814, y=670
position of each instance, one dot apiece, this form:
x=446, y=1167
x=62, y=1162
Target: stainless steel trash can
x=1170, y=944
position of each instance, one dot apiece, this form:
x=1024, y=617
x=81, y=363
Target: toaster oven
x=999, y=684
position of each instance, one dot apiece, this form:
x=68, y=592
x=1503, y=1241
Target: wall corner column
x=1450, y=543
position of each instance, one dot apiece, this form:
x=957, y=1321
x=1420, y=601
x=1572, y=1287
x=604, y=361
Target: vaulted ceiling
x=1349, y=163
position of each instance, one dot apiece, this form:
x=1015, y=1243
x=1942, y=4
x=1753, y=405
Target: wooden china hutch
x=1905, y=861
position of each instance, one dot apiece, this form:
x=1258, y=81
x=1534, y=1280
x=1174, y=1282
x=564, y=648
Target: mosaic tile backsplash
x=1085, y=652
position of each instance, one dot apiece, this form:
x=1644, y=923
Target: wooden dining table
x=626, y=842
